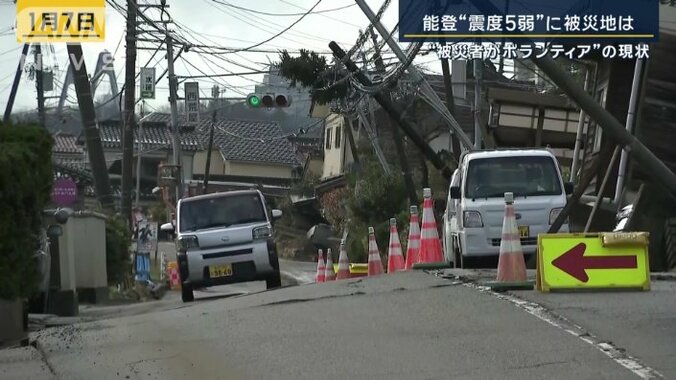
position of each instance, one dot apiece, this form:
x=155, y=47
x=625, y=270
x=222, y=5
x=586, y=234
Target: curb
x=663, y=276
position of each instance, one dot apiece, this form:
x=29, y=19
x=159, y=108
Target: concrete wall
x=256, y=169
x=199, y=163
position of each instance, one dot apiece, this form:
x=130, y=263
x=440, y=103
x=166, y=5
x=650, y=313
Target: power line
x=225, y=3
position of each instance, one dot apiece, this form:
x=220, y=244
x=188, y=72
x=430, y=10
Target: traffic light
x=268, y=100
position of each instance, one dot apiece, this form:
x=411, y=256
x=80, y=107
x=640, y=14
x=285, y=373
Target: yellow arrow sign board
x=593, y=261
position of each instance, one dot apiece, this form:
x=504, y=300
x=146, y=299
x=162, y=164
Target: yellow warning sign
x=593, y=261
x=60, y=21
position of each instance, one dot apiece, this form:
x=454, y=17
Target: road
x=402, y=326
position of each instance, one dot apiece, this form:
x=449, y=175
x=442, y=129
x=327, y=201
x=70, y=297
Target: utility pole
x=478, y=86
x=415, y=74
x=85, y=102
x=39, y=84
x=207, y=170
x=139, y=153
x=408, y=127
x=15, y=84
x=173, y=97
x=396, y=134
x=450, y=103
x=129, y=112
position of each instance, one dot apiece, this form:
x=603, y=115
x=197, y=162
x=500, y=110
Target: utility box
x=89, y=253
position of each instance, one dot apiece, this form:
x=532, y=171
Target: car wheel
x=187, y=294
x=274, y=281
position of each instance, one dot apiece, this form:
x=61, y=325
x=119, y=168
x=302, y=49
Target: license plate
x=220, y=271
x=524, y=231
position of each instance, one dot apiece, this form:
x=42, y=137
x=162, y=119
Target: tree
x=311, y=70
x=25, y=182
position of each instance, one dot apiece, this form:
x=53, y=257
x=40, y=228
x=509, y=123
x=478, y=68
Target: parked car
x=225, y=238
x=475, y=208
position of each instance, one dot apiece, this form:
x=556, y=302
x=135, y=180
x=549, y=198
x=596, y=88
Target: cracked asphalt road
x=406, y=325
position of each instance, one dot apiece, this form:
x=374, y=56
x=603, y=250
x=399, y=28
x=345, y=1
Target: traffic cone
x=330, y=274
x=321, y=268
x=343, y=263
x=395, y=258
x=375, y=265
x=511, y=264
x=413, y=249
x=430, y=245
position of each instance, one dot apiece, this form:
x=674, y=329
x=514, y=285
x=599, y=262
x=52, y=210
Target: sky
x=209, y=22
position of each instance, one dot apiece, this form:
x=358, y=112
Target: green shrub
x=25, y=186
x=117, y=250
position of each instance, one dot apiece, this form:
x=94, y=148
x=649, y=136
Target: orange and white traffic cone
x=321, y=268
x=511, y=264
x=430, y=244
x=343, y=263
x=395, y=258
x=330, y=273
x=375, y=265
x=413, y=248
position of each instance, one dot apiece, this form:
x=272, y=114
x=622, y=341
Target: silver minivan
x=475, y=207
x=225, y=238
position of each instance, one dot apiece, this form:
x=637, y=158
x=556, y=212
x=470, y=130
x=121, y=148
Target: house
x=655, y=209
x=246, y=154
x=153, y=138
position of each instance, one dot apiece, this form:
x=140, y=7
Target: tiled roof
x=66, y=143
x=153, y=137
x=252, y=141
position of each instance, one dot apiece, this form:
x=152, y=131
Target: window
x=523, y=176
x=221, y=212
x=338, y=136
x=327, y=144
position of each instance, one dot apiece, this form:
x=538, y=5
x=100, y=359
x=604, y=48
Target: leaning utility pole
x=129, y=121
x=15, y=84
x=173, y=97
x=396, y=135
x=408, y=127
x=416, y=76
x=97, y=160
x=39, y=84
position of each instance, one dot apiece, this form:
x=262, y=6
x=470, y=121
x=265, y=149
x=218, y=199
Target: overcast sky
x=211, y=23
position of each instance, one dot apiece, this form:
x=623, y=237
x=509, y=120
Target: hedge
x=25, y=186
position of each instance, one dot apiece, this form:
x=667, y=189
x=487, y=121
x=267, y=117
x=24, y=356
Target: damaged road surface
x=402, y=326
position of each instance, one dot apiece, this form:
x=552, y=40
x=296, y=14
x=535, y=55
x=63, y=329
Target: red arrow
x=575, y=263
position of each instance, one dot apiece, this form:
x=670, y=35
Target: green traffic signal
x=253, y=101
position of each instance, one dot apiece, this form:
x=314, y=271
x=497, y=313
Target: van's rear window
x=524, y=176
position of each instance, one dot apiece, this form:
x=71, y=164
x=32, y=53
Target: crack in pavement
x=301, y=300
x=537, y=365
x=617, y=354
x=43, y=356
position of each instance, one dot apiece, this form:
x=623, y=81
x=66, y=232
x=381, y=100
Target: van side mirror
x=167, y=227
x=569, y=187
x=276, y=214
x=455, y=192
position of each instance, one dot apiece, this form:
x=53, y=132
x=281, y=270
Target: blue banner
x=526, y=21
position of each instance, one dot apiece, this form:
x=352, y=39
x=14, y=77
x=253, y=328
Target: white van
x=476, y=204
